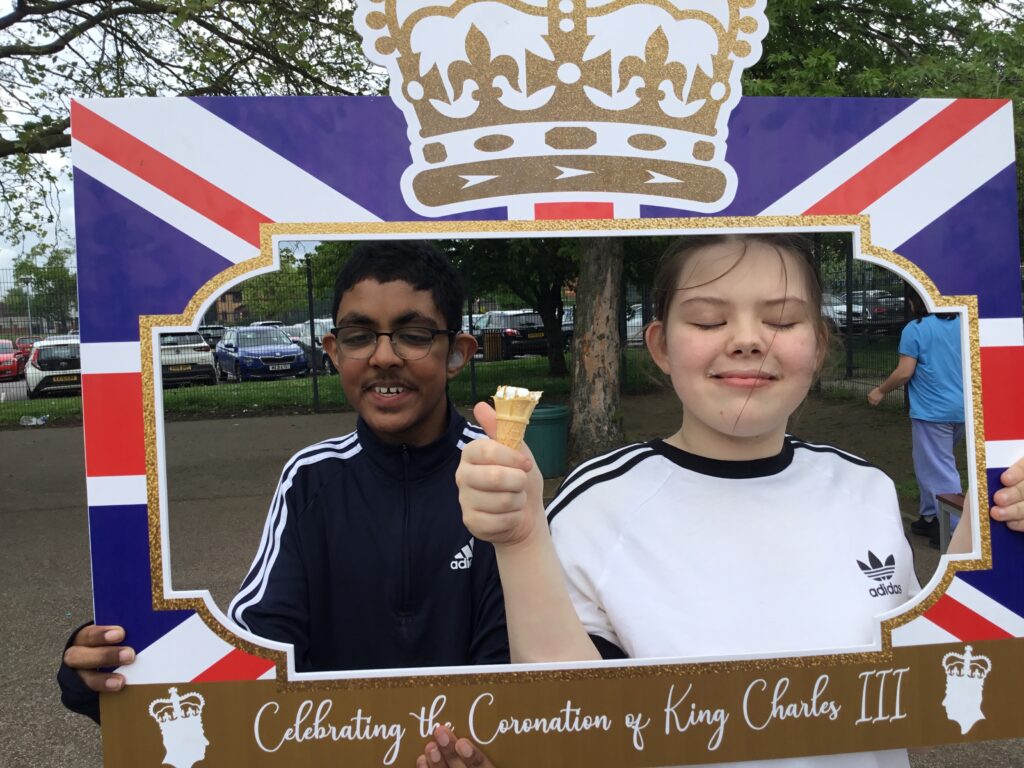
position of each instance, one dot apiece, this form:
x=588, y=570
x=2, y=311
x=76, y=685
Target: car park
x=54, y=366
x=186, y=358
x=512, y=332
x=258, y=352
x=634, y=325
x=883, y=308
x=12, y=362
x=211, y=333
x=313, y=346
x=834, y=310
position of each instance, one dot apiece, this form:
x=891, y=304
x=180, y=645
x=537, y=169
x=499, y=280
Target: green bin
x=548, y=438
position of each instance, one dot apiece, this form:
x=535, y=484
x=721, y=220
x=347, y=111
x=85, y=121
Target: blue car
x=258, y=352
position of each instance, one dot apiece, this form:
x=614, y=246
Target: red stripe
x=959, y=620
x=1002, y=369
x=112, y=422
x=574, y=211
x=908, y=156
x=237, y=665
x=165, y=174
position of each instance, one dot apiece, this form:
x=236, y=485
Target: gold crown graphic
x=966, y=665
x=565, y=99
x=177, y=708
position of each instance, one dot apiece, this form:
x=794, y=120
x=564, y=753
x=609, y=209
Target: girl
x=727, y=537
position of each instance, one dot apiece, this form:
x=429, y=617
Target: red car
x=24, y=344
x=12, y=362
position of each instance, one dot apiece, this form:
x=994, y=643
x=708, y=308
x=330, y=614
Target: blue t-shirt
x=937, y=387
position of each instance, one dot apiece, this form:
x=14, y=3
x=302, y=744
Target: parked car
x=24, y=344
x=271, y=323
x=186, y=358
x=54, y=365
x=313, y=348
x=12, y=362
x=884, y=308
x=212, y=333
x=833, y=309
x=521, y=332
x=258, y=352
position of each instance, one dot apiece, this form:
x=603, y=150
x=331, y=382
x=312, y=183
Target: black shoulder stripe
x=561, y=501
x=833, y=450
x=596, y=463
x=607, y=648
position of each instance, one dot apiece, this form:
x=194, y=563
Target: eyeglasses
x=359, y=343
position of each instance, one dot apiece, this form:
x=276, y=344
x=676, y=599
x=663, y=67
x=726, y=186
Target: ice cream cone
x=514, y=405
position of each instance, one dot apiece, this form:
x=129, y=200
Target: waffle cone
x=513, y=417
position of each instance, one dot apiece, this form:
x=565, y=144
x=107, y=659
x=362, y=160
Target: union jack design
x=171, y=192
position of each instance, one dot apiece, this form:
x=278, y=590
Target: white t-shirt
x=672, y=555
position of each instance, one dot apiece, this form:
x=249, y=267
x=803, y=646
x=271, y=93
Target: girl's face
x=740, y=342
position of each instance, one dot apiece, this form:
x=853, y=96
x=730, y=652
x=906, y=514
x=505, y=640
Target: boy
x=364, y=561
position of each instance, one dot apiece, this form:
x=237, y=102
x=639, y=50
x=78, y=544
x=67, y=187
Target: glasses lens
x=356, y=342
x=413, y=343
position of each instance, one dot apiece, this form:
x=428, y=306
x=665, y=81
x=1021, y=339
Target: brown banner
x=690, y=714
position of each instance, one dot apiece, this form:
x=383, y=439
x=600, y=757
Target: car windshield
x=262, y=337
x=181, y=339
x=58, y=352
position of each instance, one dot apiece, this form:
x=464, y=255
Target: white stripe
x=1003, y=453
x=116, y=490
x=229, y=159
x=985, y=606
x=277, y=518
x=183, y=653
x=162, y=205
x=1001, y=332
x=111, y=357
x=855, y=159
x=270, y=674
x=943, y=181
x=921, y=631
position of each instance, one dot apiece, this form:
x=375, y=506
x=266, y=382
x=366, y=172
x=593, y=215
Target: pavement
x=221, y=474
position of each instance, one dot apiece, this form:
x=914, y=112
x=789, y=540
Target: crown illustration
x=966, y=665
x=177, y=708
x=565, y=99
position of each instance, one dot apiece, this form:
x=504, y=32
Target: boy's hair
x=416, y=262
x=670, y=267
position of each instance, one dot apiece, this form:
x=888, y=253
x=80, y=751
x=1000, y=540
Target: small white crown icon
x=966, y=665
x=175, y=707
x=547, y=98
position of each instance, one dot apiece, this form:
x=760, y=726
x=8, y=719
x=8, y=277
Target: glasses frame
x=434, y=333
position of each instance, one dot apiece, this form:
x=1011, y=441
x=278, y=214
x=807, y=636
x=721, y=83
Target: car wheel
x=31, y=395
x=219, y=374
x=238, y=373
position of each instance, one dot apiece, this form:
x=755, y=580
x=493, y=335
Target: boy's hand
x=446, y=752
x=500, y=489
x=95, y=647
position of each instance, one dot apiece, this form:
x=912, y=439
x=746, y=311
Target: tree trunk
x=596, y=418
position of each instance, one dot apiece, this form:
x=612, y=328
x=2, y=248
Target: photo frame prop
x=177, y=199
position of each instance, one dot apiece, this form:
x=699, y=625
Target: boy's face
x=402, y=401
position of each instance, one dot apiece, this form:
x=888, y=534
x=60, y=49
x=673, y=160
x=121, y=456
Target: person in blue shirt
x=931, y=361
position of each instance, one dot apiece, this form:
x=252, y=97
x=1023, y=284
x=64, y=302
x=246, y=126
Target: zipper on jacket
x=404, y=606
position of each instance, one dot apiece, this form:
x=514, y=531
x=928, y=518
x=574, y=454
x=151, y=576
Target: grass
x=872, y=362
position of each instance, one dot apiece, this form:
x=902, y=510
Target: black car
x=503, y=334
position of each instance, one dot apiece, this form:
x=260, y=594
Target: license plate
x=64, y=379
x=179, y=368
x=279, y=367
x=535, y=335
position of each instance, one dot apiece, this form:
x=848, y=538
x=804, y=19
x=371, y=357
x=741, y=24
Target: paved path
x=218, y=501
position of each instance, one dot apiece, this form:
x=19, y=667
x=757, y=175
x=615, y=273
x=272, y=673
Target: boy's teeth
x=389, y=390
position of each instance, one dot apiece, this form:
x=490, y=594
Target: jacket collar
x=400, y=461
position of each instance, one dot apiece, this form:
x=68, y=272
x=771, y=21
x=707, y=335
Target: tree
x=51, y=50
x=536, y=270
x=45, y=287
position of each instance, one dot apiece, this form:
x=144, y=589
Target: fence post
x=312, y=332
x=469, y=311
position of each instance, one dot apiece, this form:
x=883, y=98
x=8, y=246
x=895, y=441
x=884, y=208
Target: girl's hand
x=875, y=396
x=446, y=752
x=1010, y=499
x=500, y=489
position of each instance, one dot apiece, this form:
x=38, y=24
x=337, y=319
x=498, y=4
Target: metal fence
x=864, y=305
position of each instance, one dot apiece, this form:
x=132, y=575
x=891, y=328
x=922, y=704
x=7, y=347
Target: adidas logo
x=881, y=572
x=463, y=558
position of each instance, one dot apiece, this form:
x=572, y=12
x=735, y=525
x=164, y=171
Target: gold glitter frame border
x=858, y=225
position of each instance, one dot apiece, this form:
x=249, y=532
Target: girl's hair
x=920, y=311
x=679, y=251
